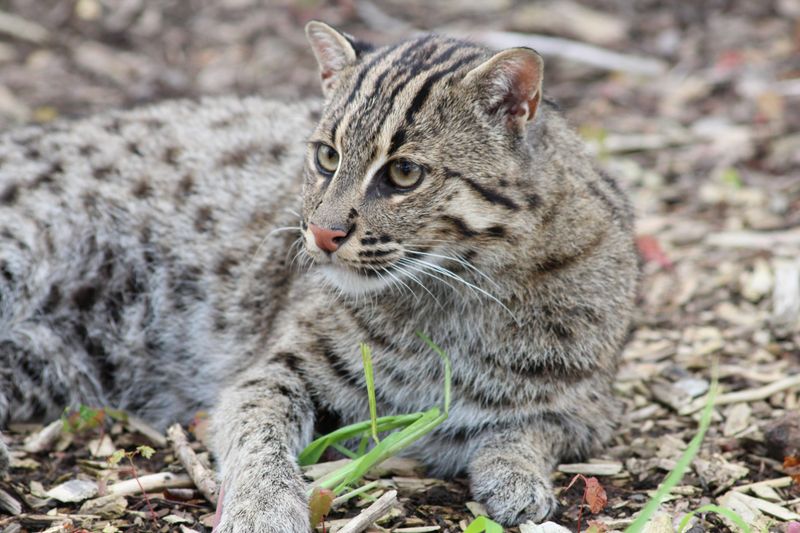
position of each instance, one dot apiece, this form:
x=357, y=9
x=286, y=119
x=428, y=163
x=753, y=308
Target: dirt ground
x=693, y=106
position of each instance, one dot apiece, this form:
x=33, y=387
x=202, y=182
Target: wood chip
x=44, y=440
x=74, y=490
x=737, y=419
x=592, y=469
x=762, y=505
x=9, y=504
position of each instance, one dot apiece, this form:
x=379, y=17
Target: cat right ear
x=334, y=51
x=510, y=85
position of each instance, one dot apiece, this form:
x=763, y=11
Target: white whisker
x=445, y=272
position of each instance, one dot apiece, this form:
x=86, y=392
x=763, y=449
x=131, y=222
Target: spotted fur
x=160, y=260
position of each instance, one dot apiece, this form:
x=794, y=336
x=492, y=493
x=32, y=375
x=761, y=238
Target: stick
x=776, y=483
x=749, y=395
x=575, y=51
x=204, y=479
x=754, y=239
x=371, y=513
x=150, y=483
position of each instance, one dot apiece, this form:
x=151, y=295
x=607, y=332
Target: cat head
x=417, y=166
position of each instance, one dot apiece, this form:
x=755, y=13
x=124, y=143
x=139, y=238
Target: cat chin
x=350, y=282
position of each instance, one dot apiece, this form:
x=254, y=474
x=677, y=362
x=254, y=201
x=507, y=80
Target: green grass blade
x=344, y=451
x=482, y=524
x=391, y=445
x=711, y=508
x=366, y=358
x=311, y=454
x=448, y=369
x=682, y=465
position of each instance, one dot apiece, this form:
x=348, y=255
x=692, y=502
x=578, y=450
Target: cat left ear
x=334, y=51
x=510, y=84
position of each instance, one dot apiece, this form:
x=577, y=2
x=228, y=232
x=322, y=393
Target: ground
x=698, y=117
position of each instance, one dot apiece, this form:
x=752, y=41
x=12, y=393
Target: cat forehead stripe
x=394, y=69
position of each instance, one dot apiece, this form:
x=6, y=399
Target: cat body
x=231, y=254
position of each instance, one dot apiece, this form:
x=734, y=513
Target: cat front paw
x=266, y=511
x=513, y=495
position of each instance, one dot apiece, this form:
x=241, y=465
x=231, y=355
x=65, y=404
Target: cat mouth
x=356, y=279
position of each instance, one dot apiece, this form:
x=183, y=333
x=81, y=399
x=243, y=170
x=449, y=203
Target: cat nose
x=328, y=240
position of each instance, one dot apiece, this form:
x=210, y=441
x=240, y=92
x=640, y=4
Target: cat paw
x=515, y=496
x=270, y=511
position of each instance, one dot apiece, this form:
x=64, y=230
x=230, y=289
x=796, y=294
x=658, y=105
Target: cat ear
x=334, y=51
x=510, y=84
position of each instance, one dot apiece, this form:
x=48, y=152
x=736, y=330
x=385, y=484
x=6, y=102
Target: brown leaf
x=595, y=495
x=791, y=464
x=320, y=504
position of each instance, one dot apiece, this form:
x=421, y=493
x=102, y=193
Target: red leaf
x=319, y=504
x=595, y=495
x=651, y=251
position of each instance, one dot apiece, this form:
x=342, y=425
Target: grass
x=677, y=473
x=403, y=430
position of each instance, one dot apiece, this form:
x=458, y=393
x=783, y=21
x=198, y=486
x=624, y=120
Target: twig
x=749, y=395
x=776, y=483
x=575, y=51
x=150, y=483
x=22, y=29
x=754, y=239
x=153, y=515
x=371, y=513
x=204, y=479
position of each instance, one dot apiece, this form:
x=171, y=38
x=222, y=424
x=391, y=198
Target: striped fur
x=161, y=260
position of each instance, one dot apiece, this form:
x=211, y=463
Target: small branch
x=204, y=479
x=150, y=483
x=749, y=395
x=765, y=240
x=371, y=513
x=575, y=51
x=777, y=483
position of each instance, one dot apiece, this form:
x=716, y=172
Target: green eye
x=404, y=174
x=327, y=159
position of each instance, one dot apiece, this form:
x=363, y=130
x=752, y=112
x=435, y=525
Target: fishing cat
x=232, y=253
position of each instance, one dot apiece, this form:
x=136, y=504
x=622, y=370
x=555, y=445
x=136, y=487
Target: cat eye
x=327, y=159
x=404, y=174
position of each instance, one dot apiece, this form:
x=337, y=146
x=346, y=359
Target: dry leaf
x=320, y=504
x=595, y=495
x=791, y=464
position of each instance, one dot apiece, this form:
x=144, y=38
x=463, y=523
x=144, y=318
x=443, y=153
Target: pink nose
x=327, y=239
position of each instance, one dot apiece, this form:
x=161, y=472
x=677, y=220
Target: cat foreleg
x=261, y=422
